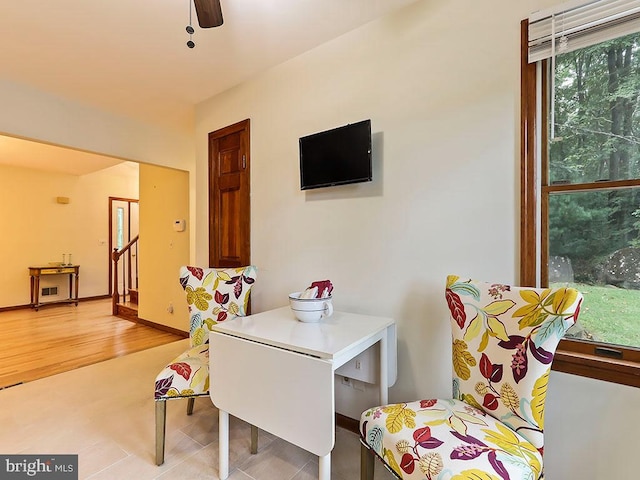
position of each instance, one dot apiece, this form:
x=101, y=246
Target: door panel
x=229, y=196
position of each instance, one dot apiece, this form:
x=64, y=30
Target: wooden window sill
x=623, y=372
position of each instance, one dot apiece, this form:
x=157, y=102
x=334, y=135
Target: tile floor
x=105, y=414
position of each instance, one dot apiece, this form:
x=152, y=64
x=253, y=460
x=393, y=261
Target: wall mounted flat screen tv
x=336, y=157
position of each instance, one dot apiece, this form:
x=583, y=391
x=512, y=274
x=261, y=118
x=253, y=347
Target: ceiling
x=131, y=58
x=40, y=156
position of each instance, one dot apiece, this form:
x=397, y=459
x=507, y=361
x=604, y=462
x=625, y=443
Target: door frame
x=129, y=201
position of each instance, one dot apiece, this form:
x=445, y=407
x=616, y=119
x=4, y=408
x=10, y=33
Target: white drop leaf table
x=278, y=374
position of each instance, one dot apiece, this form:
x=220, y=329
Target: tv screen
x=336, y=157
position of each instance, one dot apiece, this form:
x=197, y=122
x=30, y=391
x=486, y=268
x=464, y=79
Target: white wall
x=440, y=82
x=591, y=429
x=444, y=195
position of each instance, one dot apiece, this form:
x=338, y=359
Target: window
x=581, y=180
x=119, y=228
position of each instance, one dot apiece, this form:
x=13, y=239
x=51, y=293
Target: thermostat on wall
x=179, y=225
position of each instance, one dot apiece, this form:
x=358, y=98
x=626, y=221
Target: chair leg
x=161, y=420
x=254, y=439
x=190, y=402
x=367, y=463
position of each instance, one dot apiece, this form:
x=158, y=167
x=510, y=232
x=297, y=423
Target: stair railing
x=125, y=271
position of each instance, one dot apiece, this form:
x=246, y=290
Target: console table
x=36, y=272
x=278, y=374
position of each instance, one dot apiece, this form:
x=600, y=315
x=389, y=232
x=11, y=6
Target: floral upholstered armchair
x=504, y=340
x=213, y=295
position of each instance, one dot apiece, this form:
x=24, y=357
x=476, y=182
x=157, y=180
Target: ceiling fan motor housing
x=209, y=13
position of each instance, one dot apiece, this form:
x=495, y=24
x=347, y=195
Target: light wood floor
x=104, y=414
x=60, y=338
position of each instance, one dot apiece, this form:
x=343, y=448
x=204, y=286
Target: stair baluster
x=129, y=276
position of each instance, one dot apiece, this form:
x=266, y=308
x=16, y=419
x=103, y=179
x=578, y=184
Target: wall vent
x=46, y=291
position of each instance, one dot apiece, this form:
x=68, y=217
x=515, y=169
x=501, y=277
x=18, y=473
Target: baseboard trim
x=127, y=313
x=96, y=297
x=28, y=305
x=14, y=307
x=348, y=423
x=165, y=328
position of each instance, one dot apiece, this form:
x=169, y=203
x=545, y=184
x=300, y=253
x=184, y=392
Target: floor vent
x=49, y=291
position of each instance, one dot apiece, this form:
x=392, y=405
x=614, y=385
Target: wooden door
x=229, y=199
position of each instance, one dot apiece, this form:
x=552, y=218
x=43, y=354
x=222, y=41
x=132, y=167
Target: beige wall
x=440, y=82
x=33, y=114
x=40, y=116
x=164, y=197
x=36, y=230
x=37, y=115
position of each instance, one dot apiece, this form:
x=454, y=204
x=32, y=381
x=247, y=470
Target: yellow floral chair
x=213, y=295
x=504, y=340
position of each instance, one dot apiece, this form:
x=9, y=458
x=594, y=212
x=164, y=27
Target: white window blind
x=578, y=24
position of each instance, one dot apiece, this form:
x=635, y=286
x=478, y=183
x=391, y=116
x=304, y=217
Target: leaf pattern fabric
x=503, y=342
x=186, y=376
x=213, y=295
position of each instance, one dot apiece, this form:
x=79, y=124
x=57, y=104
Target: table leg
x=76, y=286
x=36, y=303
x=223, y=445
x=324, y=464
x=384, y=370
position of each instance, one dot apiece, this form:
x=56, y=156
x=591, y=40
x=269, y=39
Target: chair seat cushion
x=421, y=439
x=186, y=376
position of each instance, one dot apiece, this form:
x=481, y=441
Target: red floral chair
x=504, y=340
x=213, y=295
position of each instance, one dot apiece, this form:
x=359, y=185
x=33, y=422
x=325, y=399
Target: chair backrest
x=504, y=340
x=215, y=295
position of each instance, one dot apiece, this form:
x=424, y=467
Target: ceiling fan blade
x=209, y=13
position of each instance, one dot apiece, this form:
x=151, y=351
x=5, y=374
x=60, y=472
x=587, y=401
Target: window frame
x=595, y=360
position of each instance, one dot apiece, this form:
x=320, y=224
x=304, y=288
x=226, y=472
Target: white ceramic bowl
x=310, y=309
